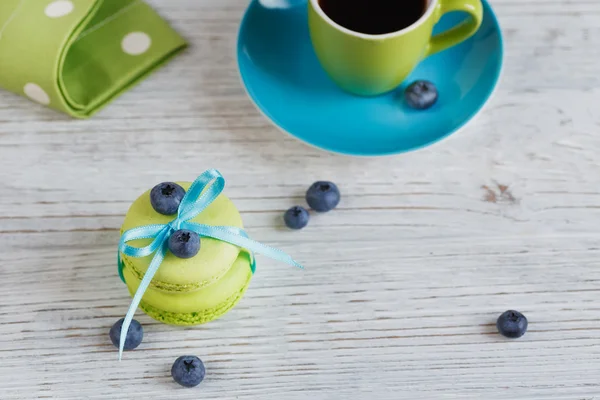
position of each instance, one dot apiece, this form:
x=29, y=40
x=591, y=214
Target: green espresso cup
x=370, y=65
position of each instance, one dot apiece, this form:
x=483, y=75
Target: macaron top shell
x=212, y=261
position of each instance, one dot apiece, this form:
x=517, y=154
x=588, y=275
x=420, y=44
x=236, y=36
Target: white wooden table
x=403, y=282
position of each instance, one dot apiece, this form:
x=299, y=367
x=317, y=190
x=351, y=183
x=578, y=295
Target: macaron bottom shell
x=198, y=306
x=193, y=318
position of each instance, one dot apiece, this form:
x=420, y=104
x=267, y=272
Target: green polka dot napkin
x=77, y=55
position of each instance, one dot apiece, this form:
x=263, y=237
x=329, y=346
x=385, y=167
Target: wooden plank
x=403, y=282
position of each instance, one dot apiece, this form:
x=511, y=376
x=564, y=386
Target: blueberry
x=323, y=196
x=512, y=324
x=135, y=334
x=184, y=243
x=165, y=197
x=421, y=95
x=188, y=371
x=296, y=217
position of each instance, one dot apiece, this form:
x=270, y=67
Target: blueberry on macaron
x=165, y=197
x=184, y=243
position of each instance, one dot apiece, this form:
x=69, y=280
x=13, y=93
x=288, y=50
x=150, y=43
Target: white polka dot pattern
x=136, y=43
x=59, y=8
x=36, y=93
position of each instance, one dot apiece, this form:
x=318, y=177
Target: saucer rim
x=468, y=120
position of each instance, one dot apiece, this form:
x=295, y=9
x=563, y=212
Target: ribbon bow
x=205, y=189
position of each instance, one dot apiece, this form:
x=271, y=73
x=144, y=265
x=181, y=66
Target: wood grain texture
x=403, y=283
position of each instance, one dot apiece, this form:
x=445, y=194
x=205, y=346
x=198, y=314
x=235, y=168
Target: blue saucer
x=284, y=78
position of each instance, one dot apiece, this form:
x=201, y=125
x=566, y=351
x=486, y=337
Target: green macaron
x=194, y=290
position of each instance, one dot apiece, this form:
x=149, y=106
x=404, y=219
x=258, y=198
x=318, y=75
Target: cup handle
x=460, y=32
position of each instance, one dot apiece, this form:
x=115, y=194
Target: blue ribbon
x=200, y=195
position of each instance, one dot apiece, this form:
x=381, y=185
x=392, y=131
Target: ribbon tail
x=137, y=298
x=239, y=238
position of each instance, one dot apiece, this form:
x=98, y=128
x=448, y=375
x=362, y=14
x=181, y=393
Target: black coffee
x=374, y=17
